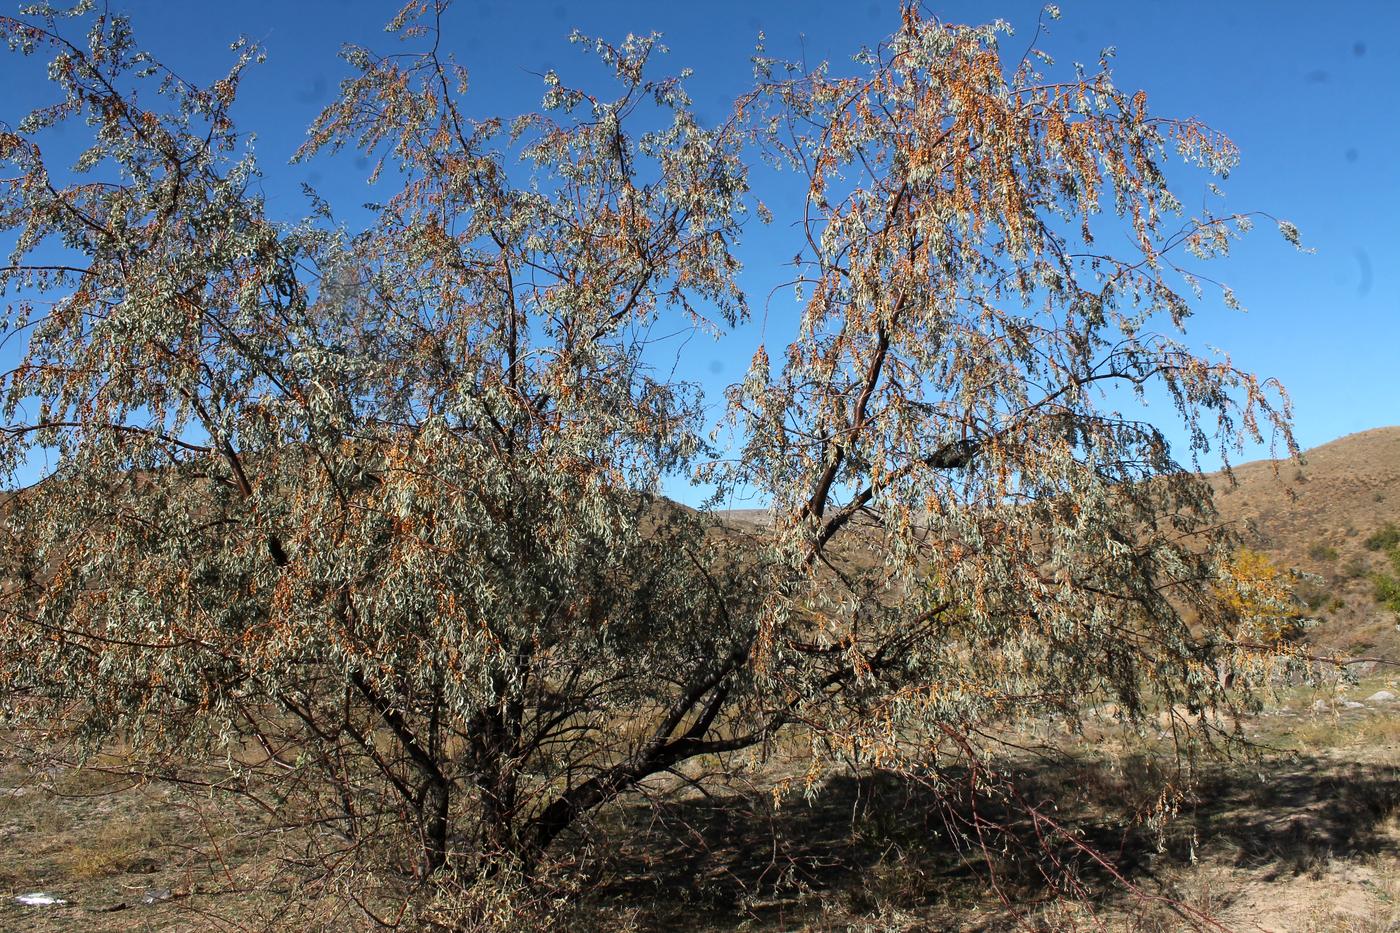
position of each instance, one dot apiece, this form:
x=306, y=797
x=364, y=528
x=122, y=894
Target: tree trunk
x=433, y=826
x=500, y=845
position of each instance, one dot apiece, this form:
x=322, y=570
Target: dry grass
x=118, y=847
x=1305, y=837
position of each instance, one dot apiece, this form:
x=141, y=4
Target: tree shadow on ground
x=878, y=842
x=1287, y=821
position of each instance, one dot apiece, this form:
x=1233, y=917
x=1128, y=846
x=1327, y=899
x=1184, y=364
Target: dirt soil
x=1305, y=836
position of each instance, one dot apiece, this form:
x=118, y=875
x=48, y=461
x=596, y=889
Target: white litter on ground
x=39, y=899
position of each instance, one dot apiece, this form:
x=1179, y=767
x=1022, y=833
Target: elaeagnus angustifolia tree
x=369, y=517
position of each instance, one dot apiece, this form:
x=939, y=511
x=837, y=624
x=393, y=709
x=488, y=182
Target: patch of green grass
x=1313, y=594
x=1383, y=538
x=1354, y=569
x=1387, y=584
x=1321, y=550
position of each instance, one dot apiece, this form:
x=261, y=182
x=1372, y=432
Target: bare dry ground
x=1303, y=835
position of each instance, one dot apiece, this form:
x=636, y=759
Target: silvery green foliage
x=965, y=353
x=391, y=484
x=371, y=513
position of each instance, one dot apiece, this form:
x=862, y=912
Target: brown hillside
x=1315, y=517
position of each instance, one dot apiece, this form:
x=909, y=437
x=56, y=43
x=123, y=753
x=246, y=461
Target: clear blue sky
x=1306, y=90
